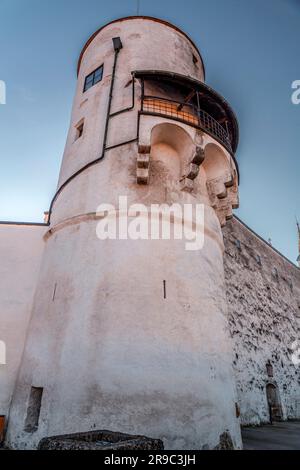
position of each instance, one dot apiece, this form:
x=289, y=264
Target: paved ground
x=279, y=436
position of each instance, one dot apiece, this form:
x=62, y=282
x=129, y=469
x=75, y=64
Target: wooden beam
x=186, y=100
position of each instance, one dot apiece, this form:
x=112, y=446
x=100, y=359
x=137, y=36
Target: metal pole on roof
x=298, y=228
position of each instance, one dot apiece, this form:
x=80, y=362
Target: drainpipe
x=117, y=47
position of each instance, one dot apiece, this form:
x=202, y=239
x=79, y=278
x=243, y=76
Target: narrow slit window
x=269, y=368
x=275, y=274
x=79, y=130
x=93, y=78
x=238, y=244
x=258, y=259
x=34, y=409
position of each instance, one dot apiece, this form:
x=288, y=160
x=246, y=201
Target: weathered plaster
x=105, y=344
x=21, y=248
x=264, y=320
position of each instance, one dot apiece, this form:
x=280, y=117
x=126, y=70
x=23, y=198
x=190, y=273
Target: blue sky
x=251, y=54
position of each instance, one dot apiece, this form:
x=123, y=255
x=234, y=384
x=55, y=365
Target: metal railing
x=186, y=113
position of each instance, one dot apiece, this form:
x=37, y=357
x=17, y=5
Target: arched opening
x=216, y=163
x=273, y=399
x=171, y=149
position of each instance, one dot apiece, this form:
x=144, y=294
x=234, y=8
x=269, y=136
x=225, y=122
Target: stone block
x=100, y=440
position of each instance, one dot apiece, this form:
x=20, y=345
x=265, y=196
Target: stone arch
x=218, y=172
x=173, y=134
x=171, y=151
x=216, y=163
x=221, y=181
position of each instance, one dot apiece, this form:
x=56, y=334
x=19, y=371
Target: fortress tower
x=131, y=335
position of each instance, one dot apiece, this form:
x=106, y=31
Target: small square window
x=93, y=78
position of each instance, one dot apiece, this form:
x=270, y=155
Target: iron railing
x=187, y=113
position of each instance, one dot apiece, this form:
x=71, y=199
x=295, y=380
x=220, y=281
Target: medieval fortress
x=134, y=335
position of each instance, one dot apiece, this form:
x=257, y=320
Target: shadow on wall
x=172, y=147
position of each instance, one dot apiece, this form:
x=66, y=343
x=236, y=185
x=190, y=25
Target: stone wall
x=263, y=291
x=21, y=249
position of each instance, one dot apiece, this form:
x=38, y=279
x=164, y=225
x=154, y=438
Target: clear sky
x=251, y=53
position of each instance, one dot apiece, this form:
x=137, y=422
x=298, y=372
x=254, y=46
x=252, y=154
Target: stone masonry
x=263, y=292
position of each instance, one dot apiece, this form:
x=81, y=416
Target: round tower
x=130, y=334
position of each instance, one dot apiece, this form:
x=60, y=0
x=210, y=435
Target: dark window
x=93, y=78
x=33, y=410
x=98, y=75
x=269, y=369
x=258, y=259
x=79, y=131
x=275, y=274
x=238, y=244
